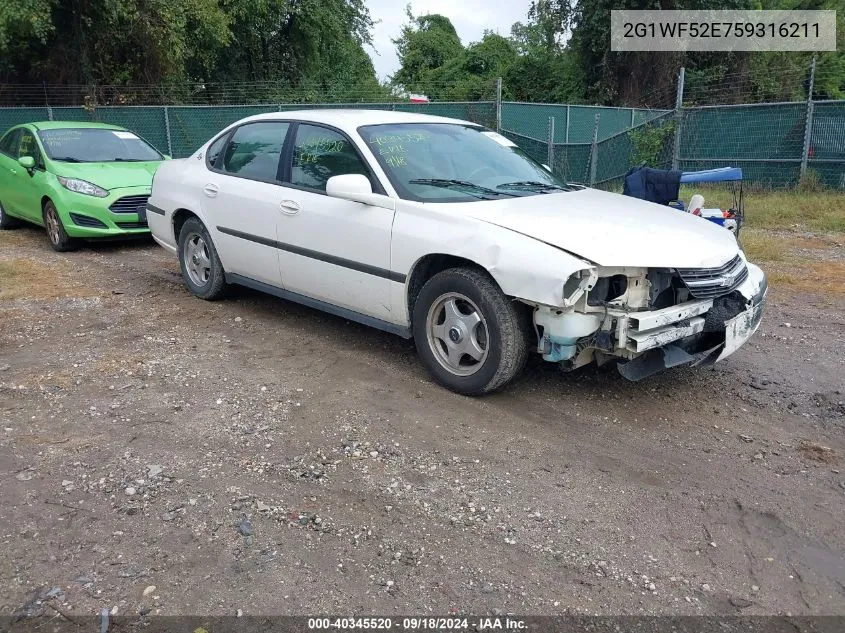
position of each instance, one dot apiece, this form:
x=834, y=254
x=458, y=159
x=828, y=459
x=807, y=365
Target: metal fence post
x=594, y=152
x=47, y=101
x=167, y=131
x=498, y=104
x=568, y=123
x=808, y=124
x=550, y=144
x=679, y=103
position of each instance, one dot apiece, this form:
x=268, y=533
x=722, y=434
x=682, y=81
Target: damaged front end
x=654, y=318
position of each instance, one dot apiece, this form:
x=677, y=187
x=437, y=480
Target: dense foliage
x=312, y=50
x=562, y=54
x=310, y=44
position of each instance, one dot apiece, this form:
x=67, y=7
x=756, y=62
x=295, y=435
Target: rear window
x=255, y=149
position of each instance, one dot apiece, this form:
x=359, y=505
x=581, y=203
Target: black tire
x=506, y=327
x=60, y=241
x=7, y=222
x=209, y=282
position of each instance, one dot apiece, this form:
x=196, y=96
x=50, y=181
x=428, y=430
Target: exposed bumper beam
x=644, y=321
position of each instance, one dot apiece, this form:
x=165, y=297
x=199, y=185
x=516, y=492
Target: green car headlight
x=83, y=187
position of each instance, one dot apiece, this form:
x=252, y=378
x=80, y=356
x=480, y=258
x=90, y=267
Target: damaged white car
x=446, y=232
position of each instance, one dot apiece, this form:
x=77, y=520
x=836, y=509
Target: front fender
x=523, y=267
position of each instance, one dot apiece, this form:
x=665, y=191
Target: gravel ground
x=164, y=455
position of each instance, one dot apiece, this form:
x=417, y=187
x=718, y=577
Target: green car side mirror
x=27, y=162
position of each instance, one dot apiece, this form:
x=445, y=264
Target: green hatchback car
x=78, y=180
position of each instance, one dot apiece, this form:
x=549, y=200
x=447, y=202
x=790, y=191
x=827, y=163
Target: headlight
x=83, y=186
x=579, y=282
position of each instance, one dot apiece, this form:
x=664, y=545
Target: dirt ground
x=161, y=454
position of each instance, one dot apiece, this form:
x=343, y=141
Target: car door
x=333, y=250
x=8, y=169
x=28, y=186
x=241, y=200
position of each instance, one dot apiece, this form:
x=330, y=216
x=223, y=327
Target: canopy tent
x=723, y=174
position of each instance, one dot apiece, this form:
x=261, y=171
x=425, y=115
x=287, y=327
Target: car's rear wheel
x=7, y=221
x=470, y=336
x=201, y=268
x=59, y=239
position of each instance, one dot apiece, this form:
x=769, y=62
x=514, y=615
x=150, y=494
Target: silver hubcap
x=197, y=261
x=52, y=225
x=457, y=334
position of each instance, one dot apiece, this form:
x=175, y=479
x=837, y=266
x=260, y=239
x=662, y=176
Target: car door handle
x=289, y=207
x=210, y=190
x=12, y=170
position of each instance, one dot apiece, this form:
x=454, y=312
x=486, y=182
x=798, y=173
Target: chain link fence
x=776, y=144
x=572, y=123
x=768, y=141
x=179, y=130
x=826, y=148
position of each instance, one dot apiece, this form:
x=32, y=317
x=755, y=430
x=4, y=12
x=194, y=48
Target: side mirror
x=27, y=162
x=357, y=188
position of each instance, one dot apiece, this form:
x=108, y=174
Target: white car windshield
x=450, y=162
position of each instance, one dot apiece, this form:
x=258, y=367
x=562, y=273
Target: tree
x=426, y=43
x=552, y=20
x=649, y=79
x=527, y=38
x=311, y=47
x=545, y=79
x=545, y=71
x=490, y=57
x=109, y=41
x=315, y=46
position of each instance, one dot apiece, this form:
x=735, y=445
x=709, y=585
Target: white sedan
x=445, y=231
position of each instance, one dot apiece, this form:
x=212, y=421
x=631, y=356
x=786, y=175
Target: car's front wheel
x=59, y=239
x=6, y=221
x=470, y=336
x=200, y=264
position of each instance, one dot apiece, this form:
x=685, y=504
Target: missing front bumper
x=737, y=332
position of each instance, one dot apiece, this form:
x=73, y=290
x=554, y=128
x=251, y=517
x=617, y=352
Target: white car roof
x=349, y=119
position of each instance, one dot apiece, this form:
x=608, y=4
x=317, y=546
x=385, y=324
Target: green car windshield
x=445, y=162
x=96, y=145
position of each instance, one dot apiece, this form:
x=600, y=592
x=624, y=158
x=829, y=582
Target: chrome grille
x=129, y=204
x=709, y=283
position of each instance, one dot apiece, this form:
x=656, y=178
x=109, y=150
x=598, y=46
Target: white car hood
x=613, y=230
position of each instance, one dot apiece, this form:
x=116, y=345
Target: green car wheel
x=59, y=239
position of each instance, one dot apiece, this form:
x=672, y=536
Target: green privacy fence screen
x=180, y=130
x=765, y=140
x=770, y=142
x=826, y=151
x=572, y=123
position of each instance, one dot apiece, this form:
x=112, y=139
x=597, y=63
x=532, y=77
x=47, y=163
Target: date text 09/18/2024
x=419, y=623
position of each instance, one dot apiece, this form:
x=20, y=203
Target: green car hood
x=110, y=175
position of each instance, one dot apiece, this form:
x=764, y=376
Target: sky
x=470, y=18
